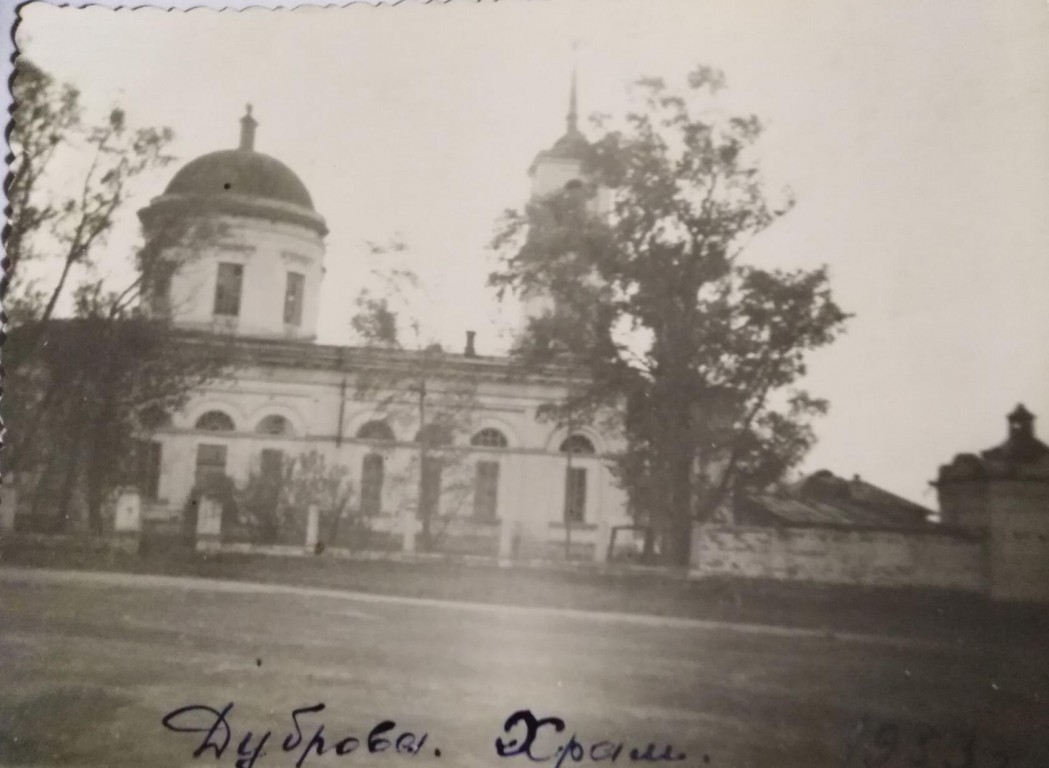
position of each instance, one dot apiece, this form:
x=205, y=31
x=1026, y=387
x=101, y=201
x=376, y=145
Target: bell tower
x=566, y=160
x=565, y=164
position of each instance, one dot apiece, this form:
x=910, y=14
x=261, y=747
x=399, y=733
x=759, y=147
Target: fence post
x=507, y=532
x=408, y=530
x=313, y=524
x=127, y=521
x=602, y=539
x=209, y=524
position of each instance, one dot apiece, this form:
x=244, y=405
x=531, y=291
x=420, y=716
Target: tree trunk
x=679, y=528
x=269, y=531
x=648, y=553
x=425, y=507
x=104, y=445
x=40, y=485
x=65, y=497
x=333, y=527
x=96, y=481
x=51, y=302
x=25, y=445
x=94, y=501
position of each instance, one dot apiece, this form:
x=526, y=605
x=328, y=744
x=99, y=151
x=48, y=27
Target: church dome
x=238, y=182
x=241, y=172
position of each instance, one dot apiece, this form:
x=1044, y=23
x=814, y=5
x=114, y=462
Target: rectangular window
x=432, y=480
x=211, y=461
x=148, y=454
x=486, y=490
x=227, y=289
x=271, y=464
x=575, y=495
x=293, y=296
x=372, y=473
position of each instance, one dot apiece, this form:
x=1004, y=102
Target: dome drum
x=262, y=277
x=183, y=205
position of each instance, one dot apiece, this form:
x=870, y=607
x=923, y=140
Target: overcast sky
x=914, y=133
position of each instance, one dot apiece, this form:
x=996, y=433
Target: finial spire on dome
x=573, y=106
x=247, y=131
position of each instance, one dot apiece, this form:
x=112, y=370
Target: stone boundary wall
x=879, y=558
x=71, y=543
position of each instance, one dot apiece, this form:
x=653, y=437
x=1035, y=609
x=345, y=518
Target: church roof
x=302, y=356
x=573, y=145
x=242, y=172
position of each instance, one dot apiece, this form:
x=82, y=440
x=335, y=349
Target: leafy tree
x=275, y=506
x=419, y=386
x=45, y=117
x=83, y=399
x=77, y=387
x=64, y=223
x=651, y=297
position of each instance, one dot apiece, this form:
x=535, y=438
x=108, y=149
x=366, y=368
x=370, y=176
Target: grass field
x=952, y=617
x=91, y=663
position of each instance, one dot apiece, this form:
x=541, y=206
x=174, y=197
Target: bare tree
x=416, y=382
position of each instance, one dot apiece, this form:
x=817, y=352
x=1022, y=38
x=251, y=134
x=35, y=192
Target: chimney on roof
x=470, y=351
x=247, y=131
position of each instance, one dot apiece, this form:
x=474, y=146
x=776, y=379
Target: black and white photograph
x=525, y=382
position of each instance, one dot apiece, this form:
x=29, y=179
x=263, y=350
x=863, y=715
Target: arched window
x=577, y=444
x=489, y=438
x=275, y=424
x=375, y=430
x=215, y=421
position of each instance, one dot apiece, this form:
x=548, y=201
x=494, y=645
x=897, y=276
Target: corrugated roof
x=825, y=499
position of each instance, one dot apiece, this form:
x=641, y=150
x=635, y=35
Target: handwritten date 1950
x=218, y=735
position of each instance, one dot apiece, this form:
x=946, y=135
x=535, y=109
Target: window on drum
x=228, y=287
x=294, y=294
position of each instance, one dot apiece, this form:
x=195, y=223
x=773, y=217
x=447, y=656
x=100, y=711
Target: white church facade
x=257, y=283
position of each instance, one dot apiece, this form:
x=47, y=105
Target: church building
x=497, y=473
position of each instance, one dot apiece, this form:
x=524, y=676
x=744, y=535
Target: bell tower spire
x=572, y=118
